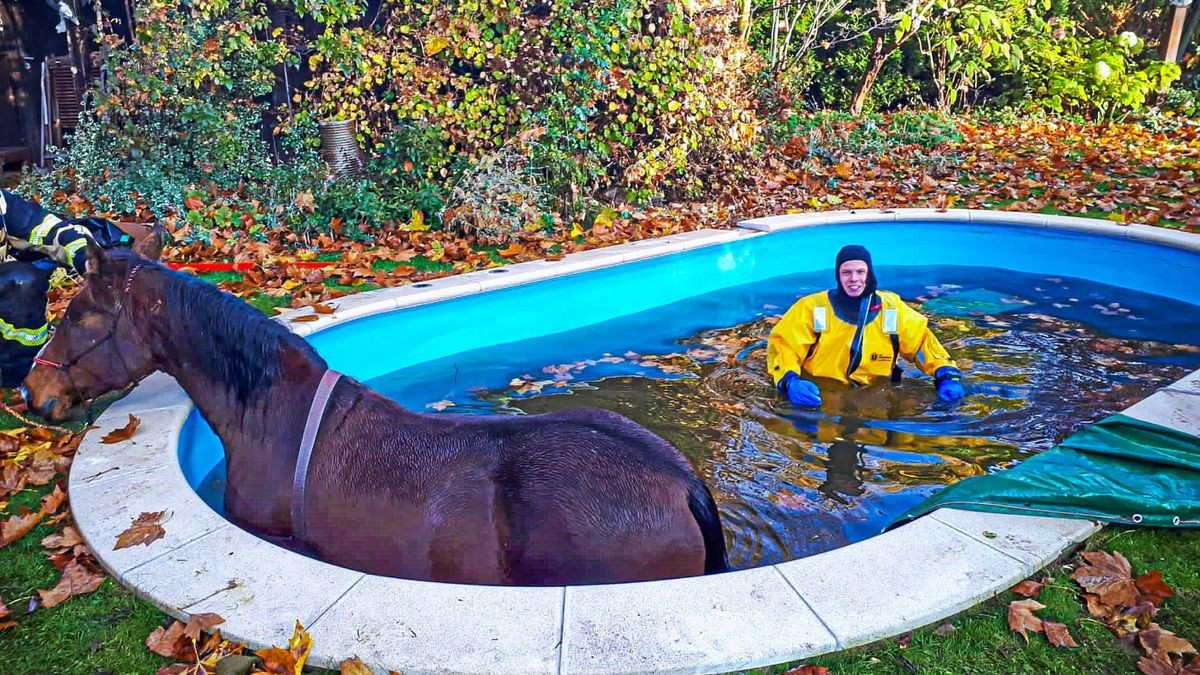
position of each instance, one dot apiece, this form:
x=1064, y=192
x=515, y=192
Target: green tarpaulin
x=1119, y=470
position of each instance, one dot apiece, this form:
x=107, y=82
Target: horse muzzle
x=53, y=408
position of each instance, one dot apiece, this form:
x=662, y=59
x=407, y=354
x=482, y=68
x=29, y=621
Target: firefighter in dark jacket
x=32, y=242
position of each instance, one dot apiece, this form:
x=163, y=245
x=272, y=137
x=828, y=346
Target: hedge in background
x=630, y=93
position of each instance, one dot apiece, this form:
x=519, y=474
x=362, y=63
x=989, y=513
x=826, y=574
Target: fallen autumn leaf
x=124, y=433
x=146, y=528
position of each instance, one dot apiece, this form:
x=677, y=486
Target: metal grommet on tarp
x=1137, y=518
x=1175, y=520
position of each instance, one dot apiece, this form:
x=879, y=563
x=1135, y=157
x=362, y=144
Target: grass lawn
x=100, y=632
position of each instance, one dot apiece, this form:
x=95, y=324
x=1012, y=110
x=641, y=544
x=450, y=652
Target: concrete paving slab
x=702, y=624
x=515, y=275
x=153, y=445
x=1034, y=540
x=1187, y=385
x=590, y=259
x=156, y=392
x=420, y=627
x=261, y=590
x=1012, y=217
x=1086, y=225
x=105, y=509
x=786, y=222
x=650, y=248
x=432, y=290
x=1162, y=235
x=345, y=308
x=697, y=238
x=927, y=214
x=900, y=580
x=1168, y=408
x=862, y=216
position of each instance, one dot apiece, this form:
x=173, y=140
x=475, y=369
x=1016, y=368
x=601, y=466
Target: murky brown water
x=792, y=482
x=1043, y=357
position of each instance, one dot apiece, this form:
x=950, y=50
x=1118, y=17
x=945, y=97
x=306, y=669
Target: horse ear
x=151, y=245
x=97, y=259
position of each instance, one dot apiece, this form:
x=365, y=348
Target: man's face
x=853, y=277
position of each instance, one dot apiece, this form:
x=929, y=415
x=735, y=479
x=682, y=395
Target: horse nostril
x=47, y=407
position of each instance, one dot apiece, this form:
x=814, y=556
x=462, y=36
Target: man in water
x=854, y=334
x=32, y=242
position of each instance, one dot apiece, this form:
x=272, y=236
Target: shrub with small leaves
x=499, y=197
x=1105, y=78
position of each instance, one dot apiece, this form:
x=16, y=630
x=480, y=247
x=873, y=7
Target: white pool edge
x=912, y=576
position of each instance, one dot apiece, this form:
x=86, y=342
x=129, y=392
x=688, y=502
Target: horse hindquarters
x=548, y=550
x=575, y=523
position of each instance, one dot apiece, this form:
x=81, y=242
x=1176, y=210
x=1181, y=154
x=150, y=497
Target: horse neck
x=261, y=435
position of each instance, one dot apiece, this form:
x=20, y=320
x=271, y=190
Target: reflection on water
x=1043, y=357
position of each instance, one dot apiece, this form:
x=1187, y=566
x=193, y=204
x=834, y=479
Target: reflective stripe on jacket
x=796, y=333
x=28, y=337
x=25, y=225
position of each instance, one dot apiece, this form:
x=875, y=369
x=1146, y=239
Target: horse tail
x=704, y=510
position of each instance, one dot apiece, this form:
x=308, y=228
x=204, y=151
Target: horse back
x=578, y=496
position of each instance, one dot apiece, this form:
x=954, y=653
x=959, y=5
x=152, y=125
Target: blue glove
x=949, y=387
x=799, y=391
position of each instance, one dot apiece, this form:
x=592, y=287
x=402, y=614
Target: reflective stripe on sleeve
x=891, y=321
x=30, y=337
x=72, y=247
x=43, y=228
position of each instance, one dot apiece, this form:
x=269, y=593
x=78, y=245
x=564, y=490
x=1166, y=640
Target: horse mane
x=231, y=340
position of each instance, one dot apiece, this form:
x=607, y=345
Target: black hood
x=852, y=252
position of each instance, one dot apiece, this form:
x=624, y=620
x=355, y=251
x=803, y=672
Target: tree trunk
x=1189, y=30
x=878, y=57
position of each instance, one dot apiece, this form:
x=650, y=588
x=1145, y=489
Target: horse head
x=95, y=348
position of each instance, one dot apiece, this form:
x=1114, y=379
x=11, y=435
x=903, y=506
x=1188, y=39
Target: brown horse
x=572, y=497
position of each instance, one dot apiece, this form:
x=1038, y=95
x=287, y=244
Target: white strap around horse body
x=316, y=411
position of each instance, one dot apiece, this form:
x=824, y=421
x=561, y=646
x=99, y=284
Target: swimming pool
x=676, y=343
x=907, y=577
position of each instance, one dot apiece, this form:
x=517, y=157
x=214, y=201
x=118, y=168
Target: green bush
x=1183, y=99
x=179, y=106
x=630, y=93
x=127, y=165
x=1103, y=78
x=833, y=86
x=835, y=134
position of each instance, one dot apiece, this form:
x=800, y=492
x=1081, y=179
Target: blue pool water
x=1055, y=330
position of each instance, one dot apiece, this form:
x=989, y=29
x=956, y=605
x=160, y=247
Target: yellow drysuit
x=811, y=339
